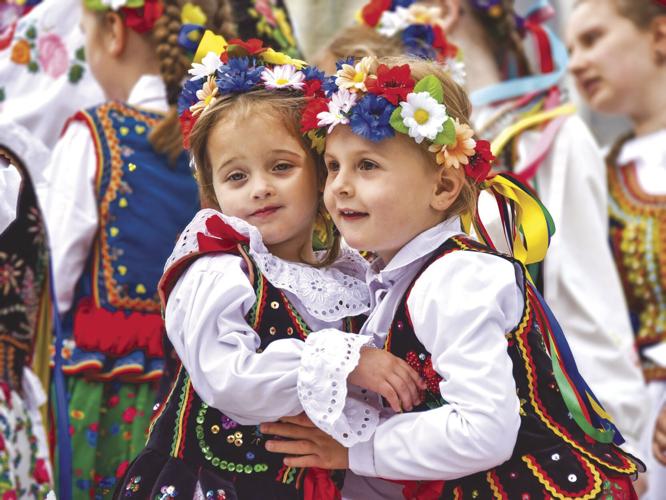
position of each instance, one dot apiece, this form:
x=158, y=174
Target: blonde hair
x=639, y=12
x=457, y=106
x=285, y=107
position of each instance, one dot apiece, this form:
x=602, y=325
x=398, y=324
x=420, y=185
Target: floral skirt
x=108, y=426
x=25, y=472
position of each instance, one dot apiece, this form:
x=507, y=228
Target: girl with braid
x=120, y=190
x=618, y=58
x=520, y=108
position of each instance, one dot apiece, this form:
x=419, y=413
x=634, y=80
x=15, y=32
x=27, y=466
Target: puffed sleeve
x=70, y=208
x=461, y=308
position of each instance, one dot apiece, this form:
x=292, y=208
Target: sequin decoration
x=216, y=495
x=167, y=492
x=132, y=486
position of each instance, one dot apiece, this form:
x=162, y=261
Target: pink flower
x=52, y=55
x=129, y=414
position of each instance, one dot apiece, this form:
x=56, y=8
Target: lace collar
x=329, y=293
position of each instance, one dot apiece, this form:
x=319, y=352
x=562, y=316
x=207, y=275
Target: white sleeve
x=582, y=285
x=461, y=308
x=70, y=208
x=205, y=321
x=10, y=187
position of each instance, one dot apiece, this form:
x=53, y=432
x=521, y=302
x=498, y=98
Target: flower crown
x=223, y=68
x=140, y=15
x=420, y=29
x=377, y=101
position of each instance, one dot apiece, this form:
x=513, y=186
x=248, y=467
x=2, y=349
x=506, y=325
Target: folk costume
x=25, y=319
x=506, y=413
x=238, y=318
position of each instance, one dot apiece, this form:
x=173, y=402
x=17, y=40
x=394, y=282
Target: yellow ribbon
x=535, y=119
x=210, y=42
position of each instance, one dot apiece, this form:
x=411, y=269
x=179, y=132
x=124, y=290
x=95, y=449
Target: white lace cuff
x=328, y=358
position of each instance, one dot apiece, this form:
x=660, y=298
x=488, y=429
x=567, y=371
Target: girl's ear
x=449, y=184
x=116, y=34
x=451, y=12
x=659, y=39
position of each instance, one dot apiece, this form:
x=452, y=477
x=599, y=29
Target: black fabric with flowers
x=552, y=454
x=267, y=20
x=24, y=304
x=191, y=442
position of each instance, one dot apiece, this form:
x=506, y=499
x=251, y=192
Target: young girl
x=243, y=290
x=505, y=412
x=519, y=107
x=618, y=58
x=119, y=168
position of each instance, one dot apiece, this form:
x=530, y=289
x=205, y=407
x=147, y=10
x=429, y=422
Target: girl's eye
x=281, y=167
x=367, y=165
x=235, y=177
x=332, y=166
x=590, y=38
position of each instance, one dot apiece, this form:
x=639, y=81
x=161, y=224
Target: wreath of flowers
x=239, y=66
x=419, y=26
x=376, y=101
x=139, y=15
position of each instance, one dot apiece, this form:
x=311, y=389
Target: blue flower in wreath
x=347, y=60
x=370, y=118
x=401, y=3
x=188, y=96
x=313, y=73
x=418, y=40
x=238, y=76
x=329, y=86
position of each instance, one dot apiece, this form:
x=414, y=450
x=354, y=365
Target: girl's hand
x=307, y=445
x=387, y=375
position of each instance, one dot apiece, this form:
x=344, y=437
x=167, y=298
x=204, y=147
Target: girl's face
x=611, y=59
x=379, y=194
x=262, y=174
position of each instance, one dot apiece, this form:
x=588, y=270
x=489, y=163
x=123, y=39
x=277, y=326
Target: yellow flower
x=192, y=14
x=285, y=27
x=206, y=96
x=353, y=77
x=21, y=52
x=272, y=57
x=422, y=14
x=458, y=153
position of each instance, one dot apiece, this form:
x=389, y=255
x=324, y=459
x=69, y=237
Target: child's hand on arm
x=307, y=445
x=382, y=372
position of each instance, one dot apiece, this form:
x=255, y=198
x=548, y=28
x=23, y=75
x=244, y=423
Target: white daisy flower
x=341, y=102
x=285, y=76
x=456, y=69
x=114, y=4
x=208, y=66
x=391, y=23
x=423, y=115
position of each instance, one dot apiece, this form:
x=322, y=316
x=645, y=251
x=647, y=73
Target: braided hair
x=174, y=63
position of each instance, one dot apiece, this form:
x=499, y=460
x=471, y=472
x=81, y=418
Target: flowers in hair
x=281, y=77
x=423, y=116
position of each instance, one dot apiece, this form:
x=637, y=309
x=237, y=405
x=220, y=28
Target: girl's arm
x=461, y=308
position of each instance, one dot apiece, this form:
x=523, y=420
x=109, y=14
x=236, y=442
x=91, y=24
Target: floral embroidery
x=273, y=22
x=132, y=485
x=167, y=492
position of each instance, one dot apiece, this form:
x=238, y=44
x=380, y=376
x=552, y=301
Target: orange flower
x=21, y=52
x=459, y=153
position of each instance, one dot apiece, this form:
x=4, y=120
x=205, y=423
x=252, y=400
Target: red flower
x=187, y=121
x=114, y=400
x=250, y=47
x=94, y=426
x=313, y=88
x=122, y=468
x=143, y=19
x=445, y=49
x=41, y=473
x=374, y=10
x=9, y=495
x=129, y=414
x=481, y=163
x=392, y=84
x=309, y=120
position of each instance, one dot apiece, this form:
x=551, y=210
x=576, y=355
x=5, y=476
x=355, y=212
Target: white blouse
x=648, y=152
x=461, y=308
x=68, y=196
x=582, y=285
x=205, y=321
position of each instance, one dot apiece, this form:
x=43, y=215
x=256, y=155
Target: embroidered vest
x=638, y=241
x=115, y=325
x=552, y=453
x=186, y=428
x=25, y=306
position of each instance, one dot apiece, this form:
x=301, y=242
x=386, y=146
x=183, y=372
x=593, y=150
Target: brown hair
x=360, y=41
x=174, y=62
x=457, y=106
x=285, y=107
x=640, y=12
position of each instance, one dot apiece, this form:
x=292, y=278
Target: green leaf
x=33, y=67
x=447, y=137
x=80, y=54
x=75, y=73
x=31, y=33
x=2, y=94
x=396, y=121
x=432, y=86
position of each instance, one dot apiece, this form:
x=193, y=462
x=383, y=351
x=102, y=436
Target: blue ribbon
x=511, y=89
x=61, y=404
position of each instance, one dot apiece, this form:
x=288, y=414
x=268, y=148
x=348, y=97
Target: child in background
x=519, y=108
x=250, y=308
x=505, y=411
x=119, y=192
x=618, y=59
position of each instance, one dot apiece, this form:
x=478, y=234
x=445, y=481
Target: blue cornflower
x=401, y=3
x=188, y=96
x=313, y=73
x=329, y=85
x=418, y=39
x=347, y=60
x=370, y=118
x=238, y=76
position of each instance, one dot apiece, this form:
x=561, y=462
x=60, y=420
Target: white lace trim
x=351, y=414
x=329, y=294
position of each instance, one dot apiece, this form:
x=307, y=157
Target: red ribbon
x=318, y=485
x=143, y=19
x=221, y=237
